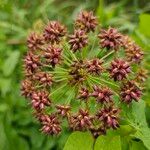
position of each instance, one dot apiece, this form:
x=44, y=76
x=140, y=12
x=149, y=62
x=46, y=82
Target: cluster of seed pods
x=80, y=79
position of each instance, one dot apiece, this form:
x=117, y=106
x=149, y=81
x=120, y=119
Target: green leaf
x=5, y=86
x=144, y=135
x=145, y=24
x=108, y=143
x=79, y=141
x=10, y=63
x=138, y=110
x=140, y=124
x=137, y=146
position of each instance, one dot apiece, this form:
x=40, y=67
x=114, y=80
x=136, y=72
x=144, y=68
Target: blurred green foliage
x=18, y=129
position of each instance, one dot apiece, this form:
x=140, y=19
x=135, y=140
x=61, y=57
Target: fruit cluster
x=81, y=78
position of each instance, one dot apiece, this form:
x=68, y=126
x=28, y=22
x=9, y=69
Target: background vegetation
x=18, y=130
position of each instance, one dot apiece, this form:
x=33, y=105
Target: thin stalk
x=57, y=89
x=65, y=70
x=68, y=100
x=71, y=54
x=69, y=61
x=92, y=46
x=60, y=80
x=107, y=55
x=105, y=81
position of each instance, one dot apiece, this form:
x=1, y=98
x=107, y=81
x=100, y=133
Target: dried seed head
x=50, y=125
x=81, y=121
x=119, y=69
x=54, y=31
x=31, y=63
x=86, y=21
x=78, y=40
x=83, y=93
x=40, y=100
x=110, y=39
x=27, y=88
x=129, y=92
x=53, y=55
x=109, y=116
x=134, y=53
x=43, y=78
x=102, y=95
x=94, y=66
x=35, y=41
x=63, y=110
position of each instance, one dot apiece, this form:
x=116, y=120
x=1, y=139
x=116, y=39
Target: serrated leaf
x=144, y=24
x=79, y=141
x=108, y=143
x=10, y=63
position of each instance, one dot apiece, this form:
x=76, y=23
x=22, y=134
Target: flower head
x=43, y=78
x=119, y=69
x=27, y=88
x=83, y=93
x=63, y=110
x=86, y=21
x=129, y=92
x=110, y=39
x=109, y=116
x=54, y=31
x=50, y=125
x=72, y=79
x=53, y=55
x=81, y=121
x=94, y=66
x=102, y=95
x=35, y=41
x=134, y=53
x=40, y=100
x=31, y=62
x=78, y=40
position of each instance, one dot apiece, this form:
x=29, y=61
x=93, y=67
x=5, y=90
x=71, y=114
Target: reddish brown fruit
x=54, y=31
x=63, y=110
x=35, y=41
x=31, y=63
x=86, y=21
x=40, y=100
x=83, y=93
x=81, y=121
x=27, y=88
x=109, y=116
x=53, y=55
x=43, y=78
x=102, y=95
x=110, y=39
x=129, y=92
x=78, y=40
x=119, y=69
x=50, y=125
x=94, y=66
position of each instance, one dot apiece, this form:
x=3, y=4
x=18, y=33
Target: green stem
x=107, y=55
x=57, y=89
